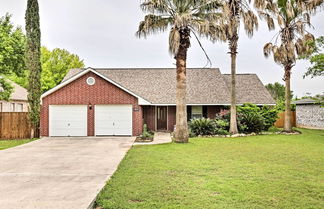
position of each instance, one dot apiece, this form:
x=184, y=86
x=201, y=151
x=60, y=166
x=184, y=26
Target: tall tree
x=184, y=18
x=33, y=55
x=55, y=65
x=292, y=16
x=12, y=57
x=227, y=29
x=276, y=90
x=316, y=58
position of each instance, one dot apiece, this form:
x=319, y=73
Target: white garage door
x=68, y=120
x=113, y=120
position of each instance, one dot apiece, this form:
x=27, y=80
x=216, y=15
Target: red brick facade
x=79, y=93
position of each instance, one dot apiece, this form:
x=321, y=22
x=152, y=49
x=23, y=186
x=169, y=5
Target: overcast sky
x=102, y=32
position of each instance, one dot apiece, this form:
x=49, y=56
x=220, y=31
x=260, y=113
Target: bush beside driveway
x=274, y=171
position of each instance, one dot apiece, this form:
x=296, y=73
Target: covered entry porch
x=163, y=117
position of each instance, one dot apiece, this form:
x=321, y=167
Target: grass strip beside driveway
x=5, y=144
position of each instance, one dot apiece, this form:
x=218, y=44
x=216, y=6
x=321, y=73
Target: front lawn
x=5, y=144
x=275, y=171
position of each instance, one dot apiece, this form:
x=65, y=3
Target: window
x=12, y=107
x=196, y=112
x=0, y=106
x=91, y=81
x=19, y=107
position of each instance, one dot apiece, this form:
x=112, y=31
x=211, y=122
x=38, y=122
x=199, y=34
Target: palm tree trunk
x=233, y=52
x=287, y=123
x=181, y=132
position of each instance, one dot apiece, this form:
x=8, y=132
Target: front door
x=162, y=118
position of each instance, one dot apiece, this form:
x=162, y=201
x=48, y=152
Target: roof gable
x=65, y=82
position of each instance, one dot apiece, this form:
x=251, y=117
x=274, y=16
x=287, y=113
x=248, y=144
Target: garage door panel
x=113, y=120
x=68, y=120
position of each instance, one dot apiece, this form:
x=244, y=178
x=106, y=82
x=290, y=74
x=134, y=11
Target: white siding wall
x=7, y=106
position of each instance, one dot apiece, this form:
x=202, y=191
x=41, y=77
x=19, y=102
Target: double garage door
x=72, y=120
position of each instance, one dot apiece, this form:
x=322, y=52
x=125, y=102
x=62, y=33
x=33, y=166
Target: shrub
x=219, y=131
x=274, y=129
x=270, y=116
x=191, y=134
x=146, y=134
x=225, y=115
x=221, y=127
x=253, y=122
x=250, y=116
x=202, y=126
x=223, y=124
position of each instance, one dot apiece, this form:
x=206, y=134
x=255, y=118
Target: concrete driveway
x=58, y=172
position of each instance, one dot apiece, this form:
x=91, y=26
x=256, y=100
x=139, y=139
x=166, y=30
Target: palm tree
x=226, y=29
x=183, y=18
x=292, y=40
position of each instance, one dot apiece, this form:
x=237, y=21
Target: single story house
x=309, y=114
x=99, y=102
x=18, y=100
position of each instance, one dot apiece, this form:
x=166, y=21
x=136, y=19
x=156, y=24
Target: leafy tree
x=33, y=64
x=227, y=29
x=277, y=91
x=316, y=58
x=55, y=66
x=292, y=16
x=184, y=18
x=12, y=48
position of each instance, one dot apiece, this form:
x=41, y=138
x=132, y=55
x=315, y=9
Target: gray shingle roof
x=305, y=101
x=204, y=86
x=250, y=89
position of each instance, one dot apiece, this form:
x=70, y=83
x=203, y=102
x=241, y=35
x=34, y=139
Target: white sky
x=102, y=32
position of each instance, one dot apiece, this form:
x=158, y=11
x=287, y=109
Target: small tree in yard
x=184, y=18
x=292, y=16
x=33, y=63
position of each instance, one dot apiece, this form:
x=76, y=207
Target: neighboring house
x=95, y=102
x=18, y=100
x=309, y=114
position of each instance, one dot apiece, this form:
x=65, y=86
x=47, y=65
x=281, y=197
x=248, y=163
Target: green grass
x=274, y=171
x=5, y=144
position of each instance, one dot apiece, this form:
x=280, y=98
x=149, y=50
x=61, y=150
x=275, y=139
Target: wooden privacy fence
x=14, y=125
x=281, y=120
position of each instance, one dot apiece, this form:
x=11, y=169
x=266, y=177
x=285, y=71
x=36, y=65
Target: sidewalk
x=159, y=138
